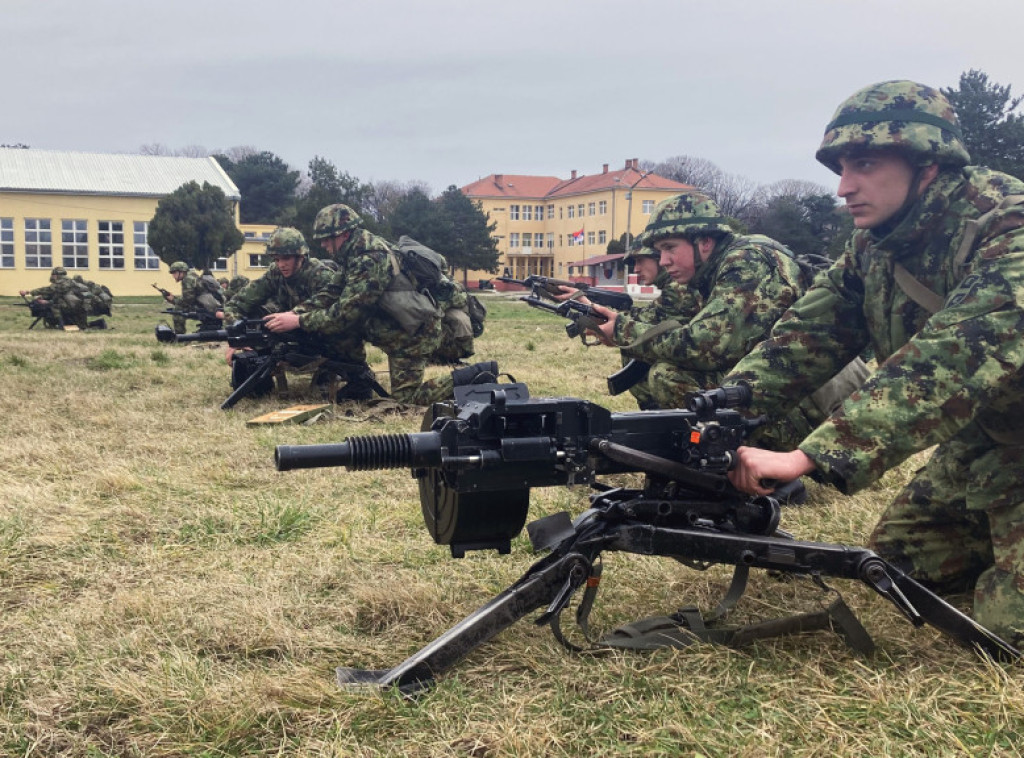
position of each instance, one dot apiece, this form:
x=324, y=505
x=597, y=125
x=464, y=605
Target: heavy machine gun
x=45, y=312
x=478, y=458
x=208, y=321
x=263, y=355
x=547, y=294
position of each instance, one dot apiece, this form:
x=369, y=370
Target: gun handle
x=628, y=376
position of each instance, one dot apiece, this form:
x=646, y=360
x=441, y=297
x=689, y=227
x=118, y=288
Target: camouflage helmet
x=58, y=272
x=638, y=250
x=334, y=220
x=912, y=117
x=179, y=266
x=287, y=241
x=691, y=214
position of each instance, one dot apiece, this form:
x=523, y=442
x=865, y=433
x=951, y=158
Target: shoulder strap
x=922, y=295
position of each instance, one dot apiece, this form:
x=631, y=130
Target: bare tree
x=384, y=195
x=732, y=192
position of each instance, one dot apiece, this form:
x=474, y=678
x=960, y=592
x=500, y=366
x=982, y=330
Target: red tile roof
x=518, y=186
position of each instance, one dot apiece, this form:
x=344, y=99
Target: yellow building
x=562, y=227
x=90, y=213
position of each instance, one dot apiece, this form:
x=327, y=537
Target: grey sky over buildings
x=448, y=91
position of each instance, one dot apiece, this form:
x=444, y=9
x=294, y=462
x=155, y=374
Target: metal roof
x=124, y=174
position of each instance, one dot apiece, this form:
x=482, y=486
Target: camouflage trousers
x=408, y=355
x=959, y=526
x=667, y=385
x=73, y=312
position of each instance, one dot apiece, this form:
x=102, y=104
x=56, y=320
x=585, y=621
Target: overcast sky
x=449, y=91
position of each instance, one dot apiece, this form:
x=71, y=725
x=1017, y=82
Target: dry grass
x=165, y=592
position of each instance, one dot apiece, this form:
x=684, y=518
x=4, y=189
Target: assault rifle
x=161, y=290
x=481, y=454
x=44, y=312
x=546, y=294
x=262, y=354
x=207, y=321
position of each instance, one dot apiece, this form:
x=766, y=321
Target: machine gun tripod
x=480, y=456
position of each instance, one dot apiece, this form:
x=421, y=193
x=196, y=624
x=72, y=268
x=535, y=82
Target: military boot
x=477, y=373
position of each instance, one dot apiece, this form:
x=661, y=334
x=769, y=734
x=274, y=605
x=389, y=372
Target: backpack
x=477, y=315
x=426, y=267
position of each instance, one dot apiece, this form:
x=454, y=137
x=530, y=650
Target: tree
x=327, y=186
x=473, y=246
x=196, y=225
x=732, y=193
x=266, y=183
x=418, y=216
x=992, y=132
x=808, y=223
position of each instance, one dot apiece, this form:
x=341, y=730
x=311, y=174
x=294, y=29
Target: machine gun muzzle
x=421, y=449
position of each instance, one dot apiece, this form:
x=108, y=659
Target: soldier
x=372, y=296
x=100, y=296
x=199, y=292
x=71, y=301
x=932, y=279
x=727, y=290
x=287, y=286
x=234, y=286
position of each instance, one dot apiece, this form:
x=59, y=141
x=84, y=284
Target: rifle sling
x=688, y=626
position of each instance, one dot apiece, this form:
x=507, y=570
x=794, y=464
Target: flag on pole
x=578, y=236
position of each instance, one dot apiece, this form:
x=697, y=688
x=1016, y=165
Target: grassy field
x=165, y=592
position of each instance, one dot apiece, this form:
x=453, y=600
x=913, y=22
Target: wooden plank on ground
x=292, y=415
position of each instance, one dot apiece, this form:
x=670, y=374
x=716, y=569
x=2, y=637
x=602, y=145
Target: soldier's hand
x=757, y=471
x=169, y=298
x=23, y=292
x=282, y=322
x=229, y=355
x=606, y=331
x=565, y=293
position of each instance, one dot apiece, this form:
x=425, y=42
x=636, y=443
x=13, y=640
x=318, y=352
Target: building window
x=590, y=238
x=221, y=264
x=551, y=211
x=591, y=209
x=538, y=212
x=513, y=213
x=250, y=235
x=572, y=211
x=527, y=213
x=74, y=240
x=257, y=260
x=559, y=211
x=602, y=208
x=602, y=237
x=648, y=206
x=513, y=239
x=551, y=240
x=111, y=244
x=580, y=209
x=144, y=259
x=527, y=239
x=38, y=243
x=6, y=243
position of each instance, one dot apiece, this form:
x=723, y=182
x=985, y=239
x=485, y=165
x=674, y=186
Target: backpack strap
x=922, y=295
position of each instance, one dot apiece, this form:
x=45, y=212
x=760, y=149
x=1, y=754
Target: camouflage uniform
x=100, y=298
x=351, y=305
x=730, y=304
x=273, y=293
x=67, y=298
x=235, y=286
x=952, y=378
x=198, y=292
x=456, y=342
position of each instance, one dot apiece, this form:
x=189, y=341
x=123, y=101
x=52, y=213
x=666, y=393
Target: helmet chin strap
x=914, y=194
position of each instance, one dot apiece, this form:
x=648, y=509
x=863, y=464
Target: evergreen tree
x=993, y=133
x=196, y=225
x=266, y=184
x=473, y=247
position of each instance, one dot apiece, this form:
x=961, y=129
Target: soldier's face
x=178, y=275
x=646, y=269
x=333, y=244
x=875, y=184
x=677, y=258
x=287, y=264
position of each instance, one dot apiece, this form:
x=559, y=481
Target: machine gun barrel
x=364, y=453
x=546, y=286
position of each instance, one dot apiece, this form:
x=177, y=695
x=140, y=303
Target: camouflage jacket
x=58, y=290
x=727, y=308
x=937, y=373
x=676, y=301
x=364, y=273
x=192, y=286
x=272, y=293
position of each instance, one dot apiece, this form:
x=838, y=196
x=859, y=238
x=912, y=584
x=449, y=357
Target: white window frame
x=513, y=213
x=38, y=243
x=527, y=213
x=647, y=207
x=143, y=256
x=602, y=208
x=74, y=243
x=602, y=237
x=7, y=242
x=110, y=243
x=592, y=209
